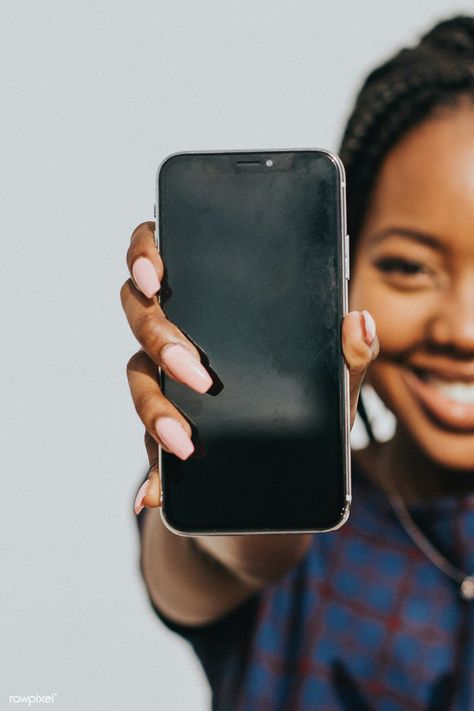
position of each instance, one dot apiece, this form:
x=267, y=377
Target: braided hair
x=398, y=95
x=395, y=97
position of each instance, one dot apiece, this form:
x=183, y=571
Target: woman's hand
x=164, y=345
x=360, y=346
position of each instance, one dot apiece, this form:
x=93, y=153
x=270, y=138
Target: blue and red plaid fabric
x=365, y=623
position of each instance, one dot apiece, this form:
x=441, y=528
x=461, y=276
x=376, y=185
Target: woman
x=379, y=613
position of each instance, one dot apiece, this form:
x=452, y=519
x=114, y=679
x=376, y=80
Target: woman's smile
x=446, y=395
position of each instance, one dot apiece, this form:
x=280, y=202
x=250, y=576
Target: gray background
x=93, y=96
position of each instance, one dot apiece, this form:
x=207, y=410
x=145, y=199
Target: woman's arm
x=197, y=580
x=194, y=581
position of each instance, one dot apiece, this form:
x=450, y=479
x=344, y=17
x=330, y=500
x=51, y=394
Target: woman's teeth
x=457, y=391
x=448, y=401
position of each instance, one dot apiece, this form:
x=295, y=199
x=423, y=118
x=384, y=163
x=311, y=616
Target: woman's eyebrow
x=418, y=236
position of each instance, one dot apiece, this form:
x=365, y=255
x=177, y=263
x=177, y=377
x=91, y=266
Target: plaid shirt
x=364, y=623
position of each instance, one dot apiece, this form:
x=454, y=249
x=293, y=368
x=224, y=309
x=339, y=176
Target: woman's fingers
x=149, y=494
x=360, y=346
x=143, y=260
x=165, y=344
x=166, y=347
x=162, y=420
x=156, y=412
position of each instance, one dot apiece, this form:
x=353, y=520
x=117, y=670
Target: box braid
x=396, y=96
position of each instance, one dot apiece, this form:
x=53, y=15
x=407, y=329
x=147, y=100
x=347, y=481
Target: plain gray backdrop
x=94, y=94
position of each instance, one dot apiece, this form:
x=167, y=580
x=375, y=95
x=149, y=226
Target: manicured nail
x=145, y=276
x=173, y=437
x=369, y=326
x=183, y=366
x=142, y=492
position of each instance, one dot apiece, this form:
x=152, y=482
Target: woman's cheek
x=402, y=320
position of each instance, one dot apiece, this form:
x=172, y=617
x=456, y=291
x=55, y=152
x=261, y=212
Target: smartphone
x=256, y=257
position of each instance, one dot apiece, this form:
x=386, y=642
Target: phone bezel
x=344, y=278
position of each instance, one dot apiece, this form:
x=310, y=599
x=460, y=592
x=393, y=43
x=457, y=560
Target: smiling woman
x=414, y=270
x=376, y=615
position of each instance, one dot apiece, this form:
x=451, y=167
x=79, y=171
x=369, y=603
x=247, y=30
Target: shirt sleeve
x=219, y=643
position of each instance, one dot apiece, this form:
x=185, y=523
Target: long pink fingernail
x=369, y=326
x=174, y=438
x=142, y=492
x=186, y=368
x=145, y=276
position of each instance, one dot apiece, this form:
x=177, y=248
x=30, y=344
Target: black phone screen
x=252, y=246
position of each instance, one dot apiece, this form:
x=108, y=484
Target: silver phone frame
x=344, y=260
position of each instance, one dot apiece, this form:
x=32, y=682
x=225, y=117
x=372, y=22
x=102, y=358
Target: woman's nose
x=453, y=324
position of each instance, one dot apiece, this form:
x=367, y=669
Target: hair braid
x=398, y=95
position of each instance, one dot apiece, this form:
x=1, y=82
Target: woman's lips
x=450, y=403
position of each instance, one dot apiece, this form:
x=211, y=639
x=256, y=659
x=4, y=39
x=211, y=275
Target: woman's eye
x=407, y=274
x=402, y=266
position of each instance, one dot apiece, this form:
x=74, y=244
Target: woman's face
x=414, y=271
